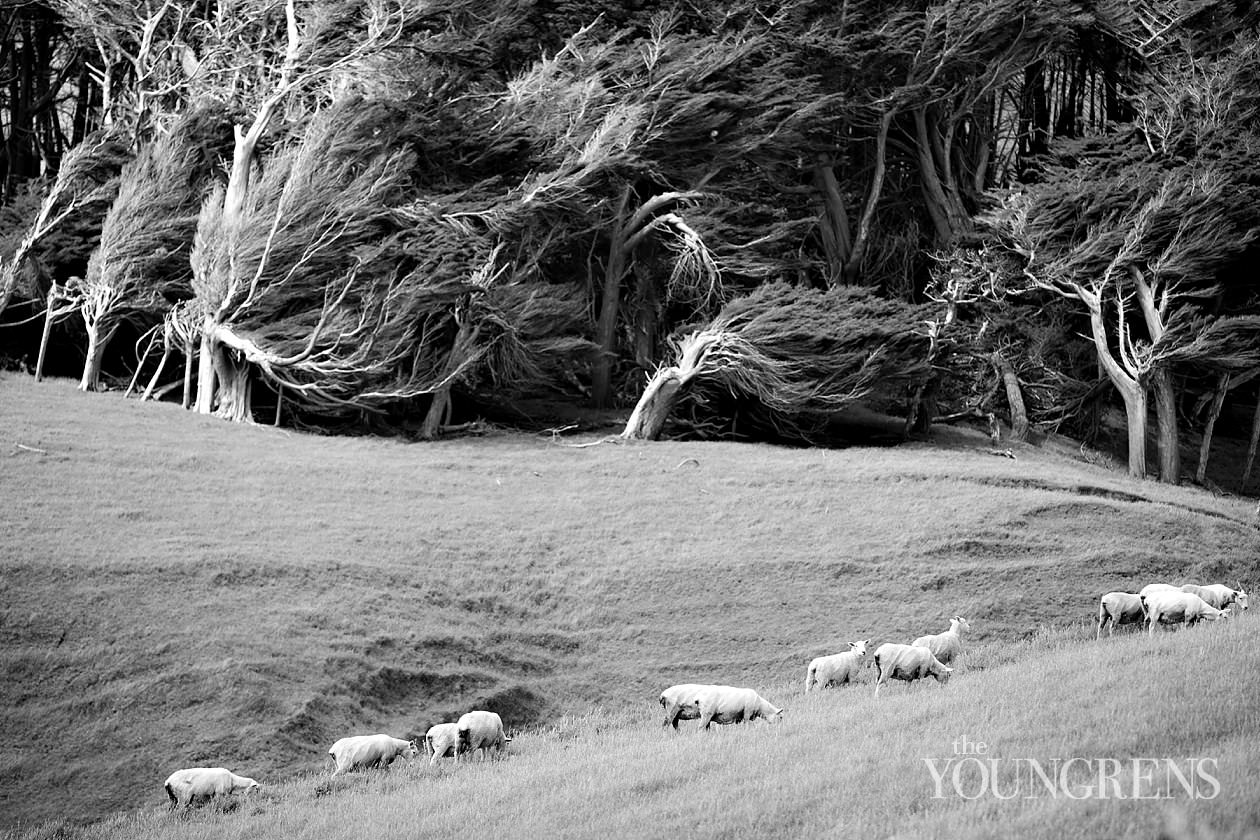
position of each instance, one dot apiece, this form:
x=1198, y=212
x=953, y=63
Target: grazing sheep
x=726, y=704
x=1119, y=608
x=203, y=784
x=480, y=731
x=1219, y=595
x=948, y=645
x=369, y=751
x=1151, y=588
x=442, y=740
x=1173, y=607
x=836, y=669
x=909, y=663
x=679, y=703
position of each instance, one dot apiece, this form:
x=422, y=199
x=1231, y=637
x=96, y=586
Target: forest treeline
x=738, y=218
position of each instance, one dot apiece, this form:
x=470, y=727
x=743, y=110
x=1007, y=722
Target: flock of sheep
x=926, y=656
x=1163, y=603
x=475, y=731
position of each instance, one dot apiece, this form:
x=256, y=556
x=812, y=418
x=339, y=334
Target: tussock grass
x=179, y=591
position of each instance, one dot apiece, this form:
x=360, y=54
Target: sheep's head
x=859, y=648
x=959, y=624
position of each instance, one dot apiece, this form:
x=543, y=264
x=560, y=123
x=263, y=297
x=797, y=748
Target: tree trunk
x=462, y=350
x=98, y=340
x=655, y=406
x=647, y=317
x=1205, y=447
x=940, y=193
x=853, y=268
x=1131, y=390
x=234, y=389
x=834, y=224
x=1251, y=447
x=135, y=377
x=188, y=369
x=43, y=339
x=148, y=391
x=1166, y=418
x=1014, y=396
x=1135, y=410
x=606, y=326
x=206, y=370
x=662, y=392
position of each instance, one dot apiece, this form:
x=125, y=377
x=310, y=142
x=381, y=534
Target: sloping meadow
x=178, y=591
x=1115, y=738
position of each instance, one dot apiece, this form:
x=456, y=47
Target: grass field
x=177, y=591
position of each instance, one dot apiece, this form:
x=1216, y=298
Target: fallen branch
x=24, y=448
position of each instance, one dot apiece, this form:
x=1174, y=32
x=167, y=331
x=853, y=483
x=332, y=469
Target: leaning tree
x=141, y=266
x=792, y=357
x=1136, y=226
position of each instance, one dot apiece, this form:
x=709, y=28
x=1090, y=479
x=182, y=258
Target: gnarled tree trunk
x=98, y=341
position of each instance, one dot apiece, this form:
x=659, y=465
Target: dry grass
x=180, y=591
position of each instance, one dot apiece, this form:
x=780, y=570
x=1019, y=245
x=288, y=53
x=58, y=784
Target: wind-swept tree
x=668, y=145
x=1137, y=225
x=141, y=266
x=332, y=39
x=84, y=187
x=793, y=357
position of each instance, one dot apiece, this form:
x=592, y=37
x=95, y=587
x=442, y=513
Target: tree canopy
x=391, y=208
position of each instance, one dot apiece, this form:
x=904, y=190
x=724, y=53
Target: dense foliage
x=384, y=207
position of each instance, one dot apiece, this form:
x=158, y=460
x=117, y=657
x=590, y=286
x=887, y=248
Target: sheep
x=1171, y=607
x=726, y=704
x=442, y=740
x=1219, y=595
x=1150, y=588
x=369, y=751
x=1119, y=608
x=909, y=663
x=948, y=645
x=679, y=703
x=836, y=669
x=203, y=784
x=480, y=730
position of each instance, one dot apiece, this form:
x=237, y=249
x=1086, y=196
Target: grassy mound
x=178, y=591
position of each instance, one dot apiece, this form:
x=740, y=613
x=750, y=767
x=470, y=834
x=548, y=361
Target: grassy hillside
x=843, y=763
x=178, y=591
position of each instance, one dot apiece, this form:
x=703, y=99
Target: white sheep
x=369, y=751
x=909, y=663
x=204, y=784
x=1119, y=608
x=727, y=704
x=948, y=645
x=836, y=669
x=442, y=740
x=679, y=703
x=1219, y=595
x=1184, y=607
x=481, y=730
